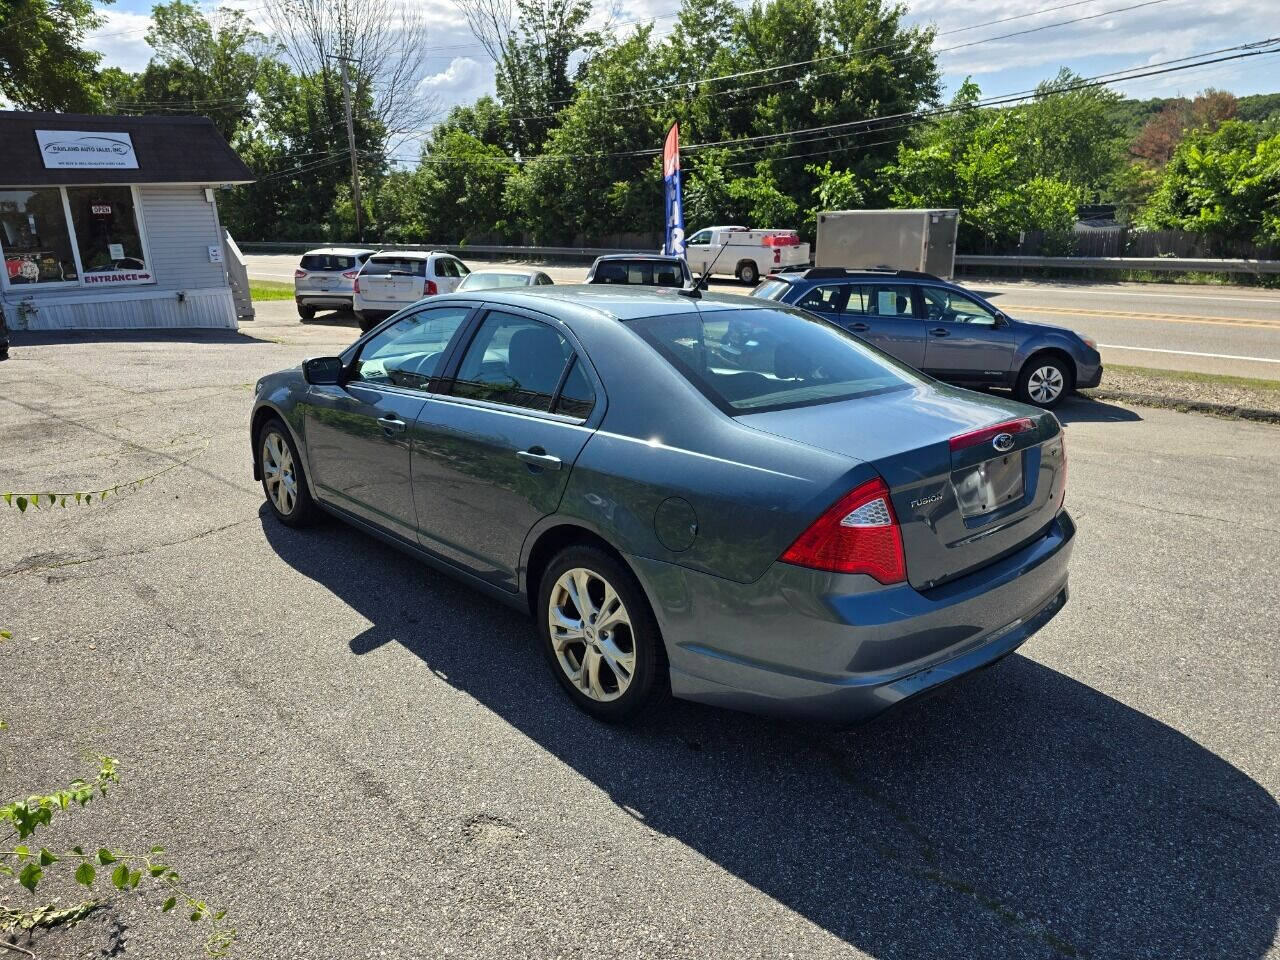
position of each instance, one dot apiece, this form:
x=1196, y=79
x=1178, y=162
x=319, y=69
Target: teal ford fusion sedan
x=715, y=497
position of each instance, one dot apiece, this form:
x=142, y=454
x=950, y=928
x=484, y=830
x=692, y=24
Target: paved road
x=360, y=758
x=1232, y=330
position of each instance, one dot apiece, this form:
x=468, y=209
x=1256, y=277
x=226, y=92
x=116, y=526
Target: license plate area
x=986, y=487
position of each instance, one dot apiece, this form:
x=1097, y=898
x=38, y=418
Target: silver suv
x=325, y=278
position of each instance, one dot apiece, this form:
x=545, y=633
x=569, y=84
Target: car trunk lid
x=958, y=509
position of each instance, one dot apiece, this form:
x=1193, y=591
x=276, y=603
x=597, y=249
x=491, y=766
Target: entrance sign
x=673, y=201
x=86, y=150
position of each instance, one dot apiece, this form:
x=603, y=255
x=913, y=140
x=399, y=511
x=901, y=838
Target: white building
x=112, y=222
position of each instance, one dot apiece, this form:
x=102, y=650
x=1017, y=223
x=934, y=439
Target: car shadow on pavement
x=1019, y=813
x=43, y=338
x=1081, y=408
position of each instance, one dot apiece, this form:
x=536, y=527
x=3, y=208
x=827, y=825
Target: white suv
x=392, y=280
x=325, y=279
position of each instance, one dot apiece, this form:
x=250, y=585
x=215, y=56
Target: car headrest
x=791, y=363
x=535, y=359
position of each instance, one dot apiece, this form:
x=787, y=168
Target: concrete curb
x=1230, y=410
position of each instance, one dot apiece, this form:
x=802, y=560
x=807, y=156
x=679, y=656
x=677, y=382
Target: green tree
x=43, y=62
x=1224, y=183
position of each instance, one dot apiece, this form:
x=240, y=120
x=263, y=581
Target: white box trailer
x=744, y=253
x=922, y=240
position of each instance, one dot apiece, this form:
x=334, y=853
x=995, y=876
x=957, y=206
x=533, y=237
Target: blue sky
x=458, y=71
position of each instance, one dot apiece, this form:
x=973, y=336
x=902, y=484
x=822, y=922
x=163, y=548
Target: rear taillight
x=986, y=434
x=299, y=274
x=355, y=285
x=351, y=274
x=858, y=534
x=1063, y=499
x=429, y=288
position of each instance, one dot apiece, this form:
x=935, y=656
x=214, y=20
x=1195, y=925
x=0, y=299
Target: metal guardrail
x=1158, y=264
x=1161, y=264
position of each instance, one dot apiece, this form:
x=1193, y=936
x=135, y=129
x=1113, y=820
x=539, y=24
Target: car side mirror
x=323, y=370
x=1001, y=318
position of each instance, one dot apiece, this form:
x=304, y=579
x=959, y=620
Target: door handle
x=391, y=424
x=939, y=332
x=859, y=327
x=537, y=457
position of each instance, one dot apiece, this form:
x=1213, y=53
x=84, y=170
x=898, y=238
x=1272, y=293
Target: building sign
x=101, y=209
x=86, y=150
x=119, y=276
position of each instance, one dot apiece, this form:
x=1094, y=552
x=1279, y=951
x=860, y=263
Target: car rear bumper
x=325, y=299
x=840, y=648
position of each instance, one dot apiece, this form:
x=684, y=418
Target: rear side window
x=381, y=266
x=825, y=299
x=890, y=300
x=751, y=361
x=327, y=261
x=513, y=360
x=445, y=268
x=577, y=396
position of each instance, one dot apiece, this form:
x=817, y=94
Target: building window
x=34, y=237
x=108, y=235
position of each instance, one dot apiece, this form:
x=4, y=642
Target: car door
x=887, y=316
x=492, y=457
x=697, y=251
x=357, y=432
x=965, y=340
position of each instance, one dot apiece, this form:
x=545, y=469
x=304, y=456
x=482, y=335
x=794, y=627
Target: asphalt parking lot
x=360, y=758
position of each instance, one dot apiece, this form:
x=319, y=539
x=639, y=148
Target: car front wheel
x=748, y=273
x=600, y=636
x=1044, y=381
x=283, y=480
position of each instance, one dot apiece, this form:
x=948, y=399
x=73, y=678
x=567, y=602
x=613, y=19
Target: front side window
x=513, y=360
x=410, y=351
x=749, y=361
x=700, y=239
x=825, y=299
x=108, y=236
x=949, y=306
x=34, y=237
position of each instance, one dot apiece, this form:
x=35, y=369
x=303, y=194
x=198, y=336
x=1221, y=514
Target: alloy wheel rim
x=1045, y=384
x=278, y=473
x=591, y=634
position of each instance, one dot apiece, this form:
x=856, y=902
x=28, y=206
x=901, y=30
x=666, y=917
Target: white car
x=391, y=280
x=744, y=253
x=496, y=279
x=325, y=279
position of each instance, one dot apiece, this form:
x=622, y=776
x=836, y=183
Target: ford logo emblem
x=1003, y=442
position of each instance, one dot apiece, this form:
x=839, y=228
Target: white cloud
x=464, y=80
x=121, y=40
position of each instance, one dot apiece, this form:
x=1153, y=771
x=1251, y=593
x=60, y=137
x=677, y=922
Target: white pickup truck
x=744, y=253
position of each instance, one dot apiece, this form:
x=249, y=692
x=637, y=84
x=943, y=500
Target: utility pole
x=351, y=145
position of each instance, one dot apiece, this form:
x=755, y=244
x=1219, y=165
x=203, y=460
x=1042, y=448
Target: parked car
x=820, y=531
x=645, y=270
x=744, y=253
x=391, y=281
x=944, y=330
x=495, y=279
x=325, y=279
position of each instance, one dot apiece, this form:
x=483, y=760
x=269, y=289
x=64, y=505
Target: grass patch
x=1222, y=380
x=270, y=290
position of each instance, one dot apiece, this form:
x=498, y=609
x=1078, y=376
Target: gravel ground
x=359, y=758
x=1225, y=396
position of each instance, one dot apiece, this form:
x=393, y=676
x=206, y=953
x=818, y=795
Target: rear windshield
x=771, y=290
x=327, y=261
x=644, y=272
x=384, y=265
x=489, y=281
x=750, y=361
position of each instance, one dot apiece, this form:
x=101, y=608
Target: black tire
x=649, y=685
x=747, y=272
x=306, y=313
x=302, y=510
x=366, y=323
x=1039, y=376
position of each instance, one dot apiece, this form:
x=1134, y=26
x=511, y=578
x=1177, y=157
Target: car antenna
x=694, y=292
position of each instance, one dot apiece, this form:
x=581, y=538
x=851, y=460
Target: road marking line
x=1190, y=353
x=1119, y=293
x=1159, y=317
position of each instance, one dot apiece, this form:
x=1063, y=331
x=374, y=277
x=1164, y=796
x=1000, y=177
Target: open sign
x=101, y=209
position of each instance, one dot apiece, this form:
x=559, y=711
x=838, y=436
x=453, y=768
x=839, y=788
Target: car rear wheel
x=283, y=480
x=366, y=323
x=1044, y=381
x=306, y=313
x=748, y=272
x=600, y=636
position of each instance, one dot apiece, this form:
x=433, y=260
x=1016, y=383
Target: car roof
x=412, y=254
x=814, y=274
x=615, y=302
x=342, y=251
x=656, y=257
x=511, y=273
